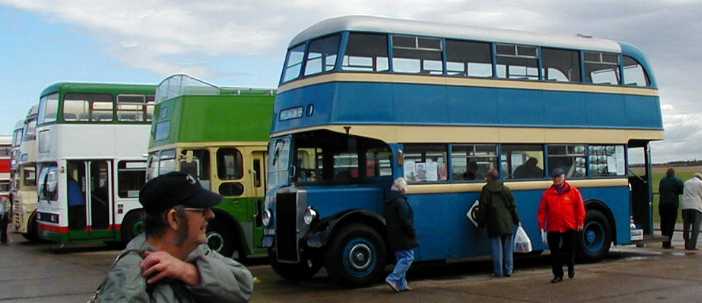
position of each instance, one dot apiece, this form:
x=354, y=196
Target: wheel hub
x=215, y=241
x=360, y=256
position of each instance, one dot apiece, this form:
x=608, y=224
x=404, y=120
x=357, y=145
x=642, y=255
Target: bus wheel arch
x=371, y=219
x=32, y=233
x=599, y=231
x=227, y=235
x=356, y=254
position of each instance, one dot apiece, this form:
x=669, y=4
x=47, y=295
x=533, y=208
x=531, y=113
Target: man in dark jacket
x=670, y=188
x=498, y=213
x=401, y=234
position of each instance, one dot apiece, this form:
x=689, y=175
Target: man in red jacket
x=562, y=215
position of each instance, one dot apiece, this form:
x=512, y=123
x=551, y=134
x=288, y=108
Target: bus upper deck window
x=417, y=55
x=472, y=59
x=517, y=62
x=366, y=52
x=561, y=65
x=634, y=73
x=293, y=64
x=321, y=56
x=602, y=68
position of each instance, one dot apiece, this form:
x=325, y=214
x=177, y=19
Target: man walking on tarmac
x=171, y=262
x=670, y=188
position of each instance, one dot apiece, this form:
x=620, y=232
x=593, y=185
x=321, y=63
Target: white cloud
x=168, y=37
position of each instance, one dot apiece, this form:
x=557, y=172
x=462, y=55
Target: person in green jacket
x=170, y=261
x=670, y=188
x=497, y=213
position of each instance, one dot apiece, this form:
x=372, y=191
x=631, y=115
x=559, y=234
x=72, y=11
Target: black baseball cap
x=175, y=188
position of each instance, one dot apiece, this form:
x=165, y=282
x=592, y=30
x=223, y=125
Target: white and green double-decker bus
x=219, y=135
x=91, y=142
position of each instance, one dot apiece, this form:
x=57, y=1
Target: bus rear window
x=634, y=73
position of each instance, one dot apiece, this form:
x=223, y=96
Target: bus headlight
x=266, y=217
x=310, y=215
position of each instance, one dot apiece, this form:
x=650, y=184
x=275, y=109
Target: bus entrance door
x=640, y=181
x=88, y=187
x=258, y=176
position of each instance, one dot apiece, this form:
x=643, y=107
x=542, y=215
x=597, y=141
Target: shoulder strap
x=121, y=255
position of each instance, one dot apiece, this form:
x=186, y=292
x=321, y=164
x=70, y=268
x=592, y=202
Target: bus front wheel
x=356, y=256
x=596, y=237
x=32, y=233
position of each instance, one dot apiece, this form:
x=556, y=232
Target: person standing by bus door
x=402, y=236
x=498, y=214
x=692, y=210
x=562, y=214
x=669, y=189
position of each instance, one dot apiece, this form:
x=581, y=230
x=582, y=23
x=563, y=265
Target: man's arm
x=221, y=279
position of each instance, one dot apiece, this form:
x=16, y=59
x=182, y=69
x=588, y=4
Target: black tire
x=596, y=238
x=356, y=256
x=32, y=234
x=310, y=265
x=220, y=238
x=132, y=225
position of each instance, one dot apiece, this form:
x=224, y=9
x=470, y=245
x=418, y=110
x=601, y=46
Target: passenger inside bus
x=529, y=170
x=76, y=203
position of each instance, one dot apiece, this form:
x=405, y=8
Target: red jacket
x=561, y=212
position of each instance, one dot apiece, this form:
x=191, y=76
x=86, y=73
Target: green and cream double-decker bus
x=219, y=135
x=91, y=145
x=24, y=199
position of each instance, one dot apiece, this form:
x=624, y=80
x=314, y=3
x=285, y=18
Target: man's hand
x=160, y=264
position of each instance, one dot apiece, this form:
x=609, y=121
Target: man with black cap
x=171, y=262
x=562, y=215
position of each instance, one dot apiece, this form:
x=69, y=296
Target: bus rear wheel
x=596, y=237
x=310, y=265
x=356, y=256
x=132, y=225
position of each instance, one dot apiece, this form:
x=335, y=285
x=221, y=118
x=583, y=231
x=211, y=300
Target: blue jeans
x=502, y=260
x=404, y=261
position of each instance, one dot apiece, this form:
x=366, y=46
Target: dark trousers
x=669, y=214
x=3, y=228
x=691, y=227
x=562, y=246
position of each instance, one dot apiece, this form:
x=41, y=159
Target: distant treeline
x=673, y=164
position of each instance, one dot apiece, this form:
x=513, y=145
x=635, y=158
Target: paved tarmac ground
x=37, y=273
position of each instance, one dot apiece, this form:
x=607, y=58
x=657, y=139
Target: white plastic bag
x=522, y=244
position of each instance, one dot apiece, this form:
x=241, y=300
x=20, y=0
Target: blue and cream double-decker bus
x=364, y=100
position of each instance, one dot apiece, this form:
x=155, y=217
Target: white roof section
x=432, y=29
x=5, y=140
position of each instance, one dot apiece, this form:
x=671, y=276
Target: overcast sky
x=242, y=43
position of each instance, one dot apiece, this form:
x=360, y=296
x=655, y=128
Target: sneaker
x=571, y=273
x=556, y=279
x=392, y=285
x=408, y=288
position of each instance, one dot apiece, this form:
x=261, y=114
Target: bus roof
x=99, y=88
x=5, y=140
x=432, y=29
x=179, y=85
